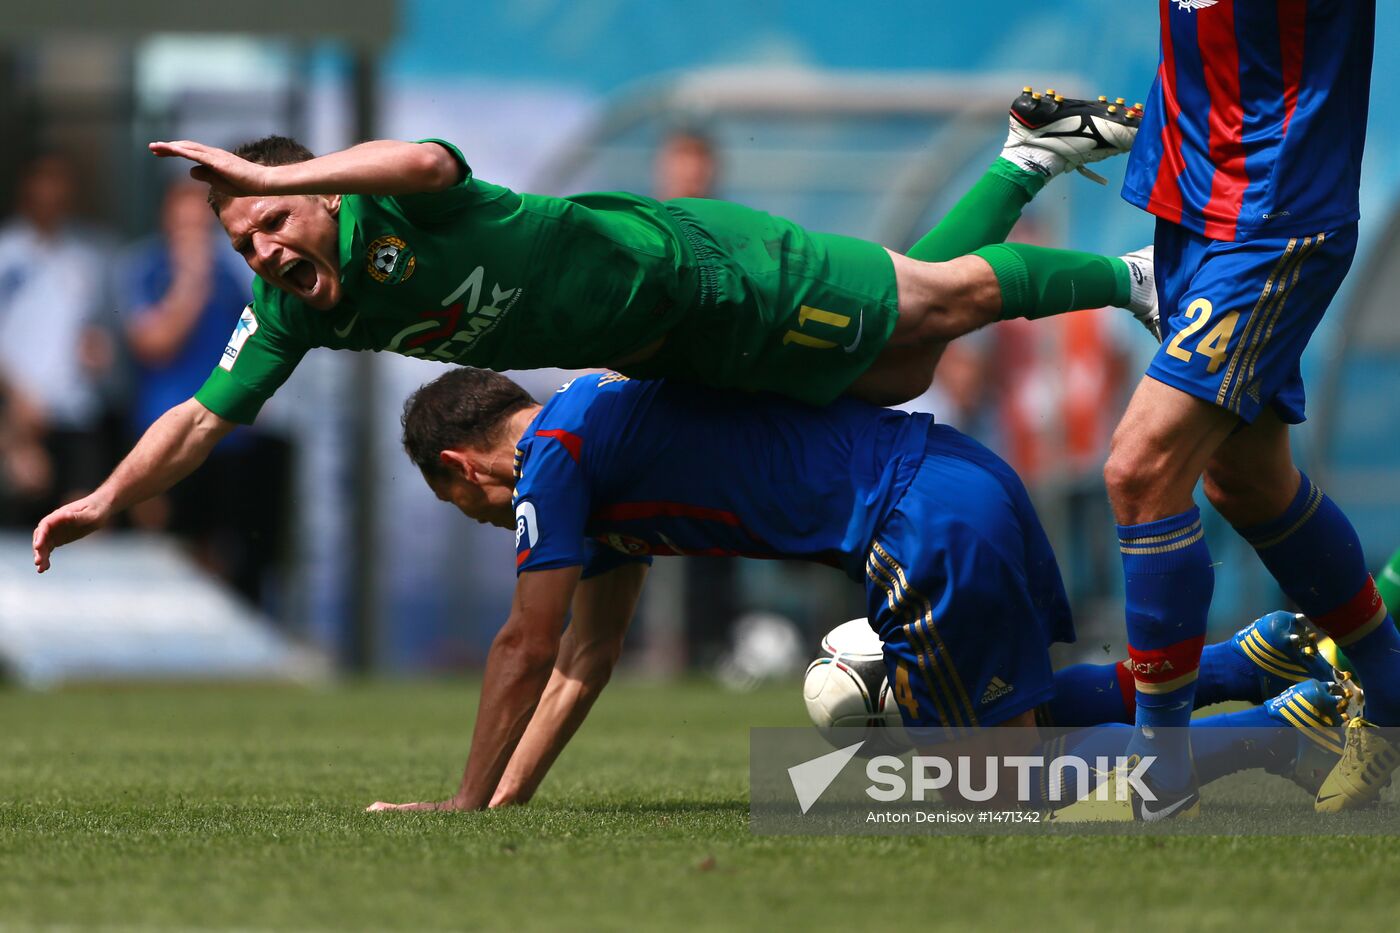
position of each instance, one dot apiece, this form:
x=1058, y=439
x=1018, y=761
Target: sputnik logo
x=811, y=778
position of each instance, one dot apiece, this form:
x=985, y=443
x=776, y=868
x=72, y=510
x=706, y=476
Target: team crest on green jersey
x=390, y=260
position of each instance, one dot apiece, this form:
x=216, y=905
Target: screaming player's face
x=489, y=505
x=291, y=241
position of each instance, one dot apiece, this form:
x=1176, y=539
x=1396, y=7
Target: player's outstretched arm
x=179, y=441
x=383, y=167
x=517, y=670
x=602, y=611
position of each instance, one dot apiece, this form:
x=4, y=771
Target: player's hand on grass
x=379, y=806
x=67, y=524
x=220, y=169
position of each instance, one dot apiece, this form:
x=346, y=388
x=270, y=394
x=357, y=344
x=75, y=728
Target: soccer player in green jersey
x=397, y=246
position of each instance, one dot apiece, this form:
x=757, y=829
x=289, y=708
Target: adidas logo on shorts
x=996, y=689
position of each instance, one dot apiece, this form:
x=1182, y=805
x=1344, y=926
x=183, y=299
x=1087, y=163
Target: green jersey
x=478, y=275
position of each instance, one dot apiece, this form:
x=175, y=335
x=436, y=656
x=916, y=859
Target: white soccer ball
x=845, y=688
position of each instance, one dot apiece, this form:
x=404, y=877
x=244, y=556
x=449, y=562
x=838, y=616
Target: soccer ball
x=845, y=688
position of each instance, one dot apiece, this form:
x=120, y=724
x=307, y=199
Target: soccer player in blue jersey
x=1249, y=156
x=962, y=585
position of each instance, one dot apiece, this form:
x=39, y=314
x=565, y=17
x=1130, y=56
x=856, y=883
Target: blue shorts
x=964, y=590
x=1236, y=316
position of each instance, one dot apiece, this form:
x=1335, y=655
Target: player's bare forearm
x=551, y=726
x=573, y=687
x=178, y=442
x=383, y=167
x=602, y=610
x=517, y=671
x=170, y=450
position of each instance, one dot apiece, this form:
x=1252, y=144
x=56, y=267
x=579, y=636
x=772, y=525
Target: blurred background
x=308, y=544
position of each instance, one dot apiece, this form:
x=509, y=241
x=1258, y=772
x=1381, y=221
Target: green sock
x=1038, y=282
x=984, y=215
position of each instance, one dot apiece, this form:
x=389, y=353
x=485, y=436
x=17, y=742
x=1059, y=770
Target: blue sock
x=1168, y=583
x=1314, y=554
x=1231, y=742
x=1092, y=694
x=1226, y=674
x=1220, y=745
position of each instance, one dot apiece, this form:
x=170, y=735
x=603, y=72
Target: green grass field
x=241, y=807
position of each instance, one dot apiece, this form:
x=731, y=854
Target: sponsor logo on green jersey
x=447, y=332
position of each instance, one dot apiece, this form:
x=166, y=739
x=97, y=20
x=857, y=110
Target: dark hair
x=270, y=150
x=465, y=407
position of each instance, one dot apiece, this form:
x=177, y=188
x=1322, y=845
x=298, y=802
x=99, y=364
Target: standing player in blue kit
x=1250, y=157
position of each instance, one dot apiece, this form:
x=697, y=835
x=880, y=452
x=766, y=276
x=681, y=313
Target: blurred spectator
x=53, y=354
x=1062, y=381
x=180, y=298
x=964, y=389
x=686, y=166
x=25, y=468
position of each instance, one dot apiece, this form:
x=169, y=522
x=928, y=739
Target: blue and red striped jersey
x=613, y=469
x=1257, y=119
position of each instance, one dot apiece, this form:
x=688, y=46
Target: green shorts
x=779, y=309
